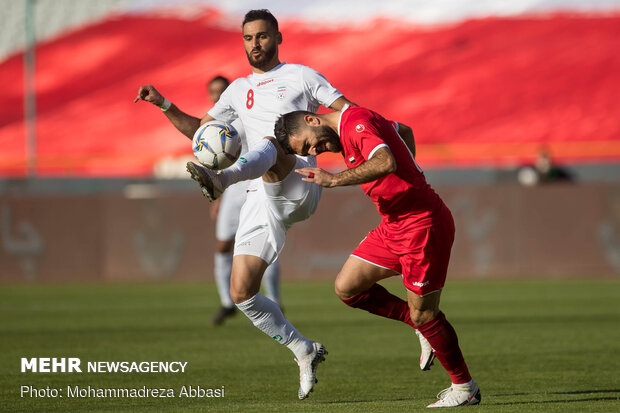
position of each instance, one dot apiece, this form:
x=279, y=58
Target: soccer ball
x=216, y=144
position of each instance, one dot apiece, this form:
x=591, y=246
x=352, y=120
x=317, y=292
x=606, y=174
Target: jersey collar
x=269, y=73
x=345, y=107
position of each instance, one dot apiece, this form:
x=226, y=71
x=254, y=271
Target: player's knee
x=343, y=289
x=240, y=292
x=419, y=317
x=239, y=296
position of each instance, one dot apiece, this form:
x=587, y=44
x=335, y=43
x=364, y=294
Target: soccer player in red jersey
x=414, y=237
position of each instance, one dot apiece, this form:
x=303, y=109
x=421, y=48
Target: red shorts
x=420, y=255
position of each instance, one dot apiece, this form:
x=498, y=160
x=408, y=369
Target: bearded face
x=260, y=58
x=314, y=140
x=261, y=44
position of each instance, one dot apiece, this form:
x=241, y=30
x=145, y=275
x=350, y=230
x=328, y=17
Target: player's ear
x=311, y=120
x=279, y=38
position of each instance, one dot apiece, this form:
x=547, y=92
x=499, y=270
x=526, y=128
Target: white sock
x=464, y=386
x=252, y=165
x=271, y=282
x=221, y=270
x=267, y=317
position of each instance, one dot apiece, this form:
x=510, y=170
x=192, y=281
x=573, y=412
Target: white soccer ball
x=216, y=144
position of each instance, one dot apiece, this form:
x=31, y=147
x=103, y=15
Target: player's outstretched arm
x=381, y=164
x=406, y=133
x=186, y=124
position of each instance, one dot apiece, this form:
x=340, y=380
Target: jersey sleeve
x=320, y=91
x=223, y=109
x=367, y=138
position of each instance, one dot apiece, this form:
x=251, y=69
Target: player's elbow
x=384, y=162
x=389, y=165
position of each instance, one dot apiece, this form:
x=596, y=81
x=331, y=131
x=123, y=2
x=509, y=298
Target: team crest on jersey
x=281, y=92
x=359, y=128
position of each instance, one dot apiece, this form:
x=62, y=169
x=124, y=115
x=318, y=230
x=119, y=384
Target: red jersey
x=401, y=194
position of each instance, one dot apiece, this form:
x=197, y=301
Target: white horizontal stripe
x=381, y=145
x=424, y=12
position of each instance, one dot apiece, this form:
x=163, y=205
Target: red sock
x=377, y=300
x=442, y=337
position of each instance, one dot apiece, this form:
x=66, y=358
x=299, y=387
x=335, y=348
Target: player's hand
x=316, y=175
x=149, y=94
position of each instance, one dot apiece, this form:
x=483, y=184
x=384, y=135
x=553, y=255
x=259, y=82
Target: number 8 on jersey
x=250, y=102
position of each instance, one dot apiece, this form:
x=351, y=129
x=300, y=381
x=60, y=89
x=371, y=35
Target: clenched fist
x=149, y=94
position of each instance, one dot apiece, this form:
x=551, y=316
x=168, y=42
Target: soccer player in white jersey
x=280, y=198
x=225, y=211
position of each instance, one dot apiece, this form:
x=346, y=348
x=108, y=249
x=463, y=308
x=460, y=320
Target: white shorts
x=271, y=209
x=228, y=214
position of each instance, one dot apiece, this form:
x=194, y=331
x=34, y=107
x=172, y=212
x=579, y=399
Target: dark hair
x=220, y=78
x=287, y=125
x=261, y=14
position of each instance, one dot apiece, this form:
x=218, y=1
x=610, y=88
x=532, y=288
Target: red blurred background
x=489, y=92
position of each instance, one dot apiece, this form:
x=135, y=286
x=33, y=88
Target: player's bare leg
x=247, y=273
x=356, y=285
x=267, y=317
x=432, y=323
x=358, y=275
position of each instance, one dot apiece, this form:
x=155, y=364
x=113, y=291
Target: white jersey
x=258, y=101
x=261, y=98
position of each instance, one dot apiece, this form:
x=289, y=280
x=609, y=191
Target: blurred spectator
x=544, y=171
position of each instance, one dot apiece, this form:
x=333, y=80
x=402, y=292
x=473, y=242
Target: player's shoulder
x=240, y=82
x=361, y=119
x=293, y=66
x=299, y=68
x=358, y=113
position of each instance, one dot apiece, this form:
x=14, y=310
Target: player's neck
x=266, y=68
x=331, y=119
